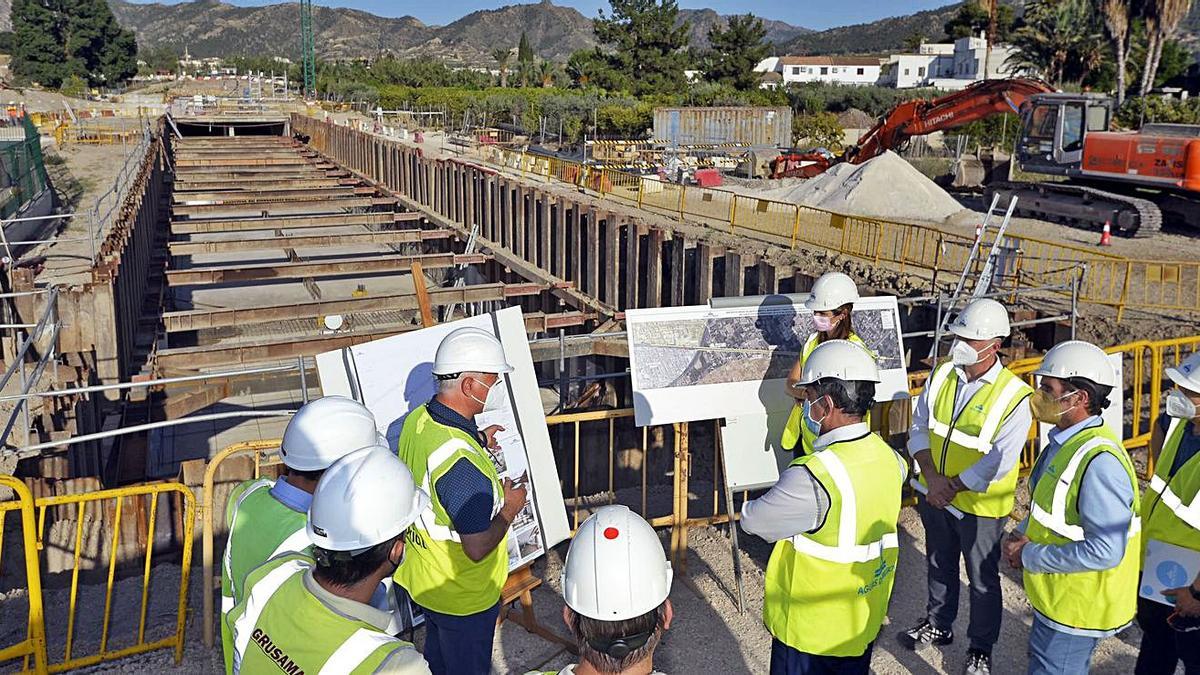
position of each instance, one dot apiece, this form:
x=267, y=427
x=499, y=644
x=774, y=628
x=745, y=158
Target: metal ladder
x=986, y=275
x=460, y=279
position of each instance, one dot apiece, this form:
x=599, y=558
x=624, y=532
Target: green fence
x=22, y=168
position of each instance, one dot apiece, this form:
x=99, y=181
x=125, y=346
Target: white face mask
x=495, y=397
x=963, y=354
x=1180, y=406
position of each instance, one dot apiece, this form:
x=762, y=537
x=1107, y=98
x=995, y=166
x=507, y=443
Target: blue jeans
x=1053, y=652
x=787, y=660
x=460, y=645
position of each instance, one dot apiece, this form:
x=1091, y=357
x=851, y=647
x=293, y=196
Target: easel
x=735, y=550
x=521, y=581
x=519, y=587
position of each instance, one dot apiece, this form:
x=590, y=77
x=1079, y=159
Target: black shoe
x=979, y=662
x=924, y=635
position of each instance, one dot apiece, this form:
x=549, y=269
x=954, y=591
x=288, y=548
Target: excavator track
x=1082, y=206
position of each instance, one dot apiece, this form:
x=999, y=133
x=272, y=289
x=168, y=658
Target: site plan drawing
x=696, y=363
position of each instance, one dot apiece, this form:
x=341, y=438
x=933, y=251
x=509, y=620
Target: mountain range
x=215, y=28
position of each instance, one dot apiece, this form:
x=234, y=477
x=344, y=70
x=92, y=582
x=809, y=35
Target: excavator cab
x=1053, y=127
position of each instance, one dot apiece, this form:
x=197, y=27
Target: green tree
x=1162, y=19
x=59, y=38
x=590, y=67
x=818, y=130
x=73, y=86
x=647, y=44
x=914, y=41
x=1062, y=40
x=503, y=57
x=165, y=58
x=735, y=50
x=972, y=19
x=524, y=51
x=1116, y=16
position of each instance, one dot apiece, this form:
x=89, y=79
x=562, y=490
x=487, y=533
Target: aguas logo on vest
x=881, y=573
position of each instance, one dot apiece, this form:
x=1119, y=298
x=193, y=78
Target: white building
x=854, y=70
x=947, y=65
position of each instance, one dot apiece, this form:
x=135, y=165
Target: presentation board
x=394, y=375
x=699, y=362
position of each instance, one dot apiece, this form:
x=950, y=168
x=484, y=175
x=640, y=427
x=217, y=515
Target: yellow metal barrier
x=34, y=644
x=1110, y=280
x=78, y=503
x=260, y=450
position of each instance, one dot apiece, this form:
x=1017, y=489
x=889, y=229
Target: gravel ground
x=708, y=635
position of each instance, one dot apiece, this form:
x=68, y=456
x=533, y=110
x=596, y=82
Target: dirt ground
x=709, y=635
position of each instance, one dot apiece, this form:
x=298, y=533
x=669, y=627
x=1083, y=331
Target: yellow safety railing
x=79, y=504
x=34, y=644
x=1110, y=280
x=261, y=450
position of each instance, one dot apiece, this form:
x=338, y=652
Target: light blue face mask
x=813, y=425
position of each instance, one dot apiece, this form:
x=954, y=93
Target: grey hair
x=449, y=383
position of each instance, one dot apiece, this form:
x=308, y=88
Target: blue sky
x=817, y=15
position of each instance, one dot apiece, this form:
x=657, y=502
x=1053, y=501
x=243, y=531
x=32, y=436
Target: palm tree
x=1162, y=18
x=502, y=57
x=1057, y=34
x=1116, y=23
x=546, y=72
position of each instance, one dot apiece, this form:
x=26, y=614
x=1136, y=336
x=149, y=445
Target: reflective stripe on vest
x=256, y=602
x=428, y=520
x=1160, y=482
x=796, y=434
x=1055, y=520
x=846, y=551
x=355, y=650
x=991, y=422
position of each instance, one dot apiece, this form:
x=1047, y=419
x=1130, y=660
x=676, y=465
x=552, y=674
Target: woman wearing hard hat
x=831, y=300
x=1170, y=620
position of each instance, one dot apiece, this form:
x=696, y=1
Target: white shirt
x=1006, y=450
x=798, y=502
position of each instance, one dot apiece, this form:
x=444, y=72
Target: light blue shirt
x=291, y=496
x=1105, y=511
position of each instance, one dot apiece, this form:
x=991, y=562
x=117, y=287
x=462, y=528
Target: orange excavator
x=917, y=118
x=1130, y=180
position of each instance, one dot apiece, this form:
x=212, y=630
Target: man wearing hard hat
x=457, y=556
x=968, y=428
x=311, y=614
x=266, y=518
x=1171, y=515
x=831, y=301
x=1079, y=546
x=832, y=516
x=615, y=581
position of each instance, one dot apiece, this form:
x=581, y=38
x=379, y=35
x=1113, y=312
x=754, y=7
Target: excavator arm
x=921, y=116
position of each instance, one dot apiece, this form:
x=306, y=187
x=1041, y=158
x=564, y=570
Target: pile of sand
x=884, y=187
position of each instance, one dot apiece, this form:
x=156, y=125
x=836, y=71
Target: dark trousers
x=460, y=645
x=787, y=660
x=977, y=540
x=1162, y=646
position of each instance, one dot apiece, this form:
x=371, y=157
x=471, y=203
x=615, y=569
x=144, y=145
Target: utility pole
x=307, y=47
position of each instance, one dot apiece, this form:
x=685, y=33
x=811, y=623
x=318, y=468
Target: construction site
x=171, y=280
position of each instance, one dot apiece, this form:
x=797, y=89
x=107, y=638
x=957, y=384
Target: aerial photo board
x=700, y=363
x=394, y=375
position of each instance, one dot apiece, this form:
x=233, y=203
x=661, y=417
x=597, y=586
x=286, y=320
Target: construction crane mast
x=307, y=47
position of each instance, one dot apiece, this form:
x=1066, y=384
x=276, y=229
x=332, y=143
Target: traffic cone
x=1106, y=235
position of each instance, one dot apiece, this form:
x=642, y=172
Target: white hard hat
x=982, y=319
x=324, y=430
x=470, y=350
x=365, y=498
x=842, y=360
x=1186, y=374
x=1076, y=358
x=830, y=291
x=615, y=569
